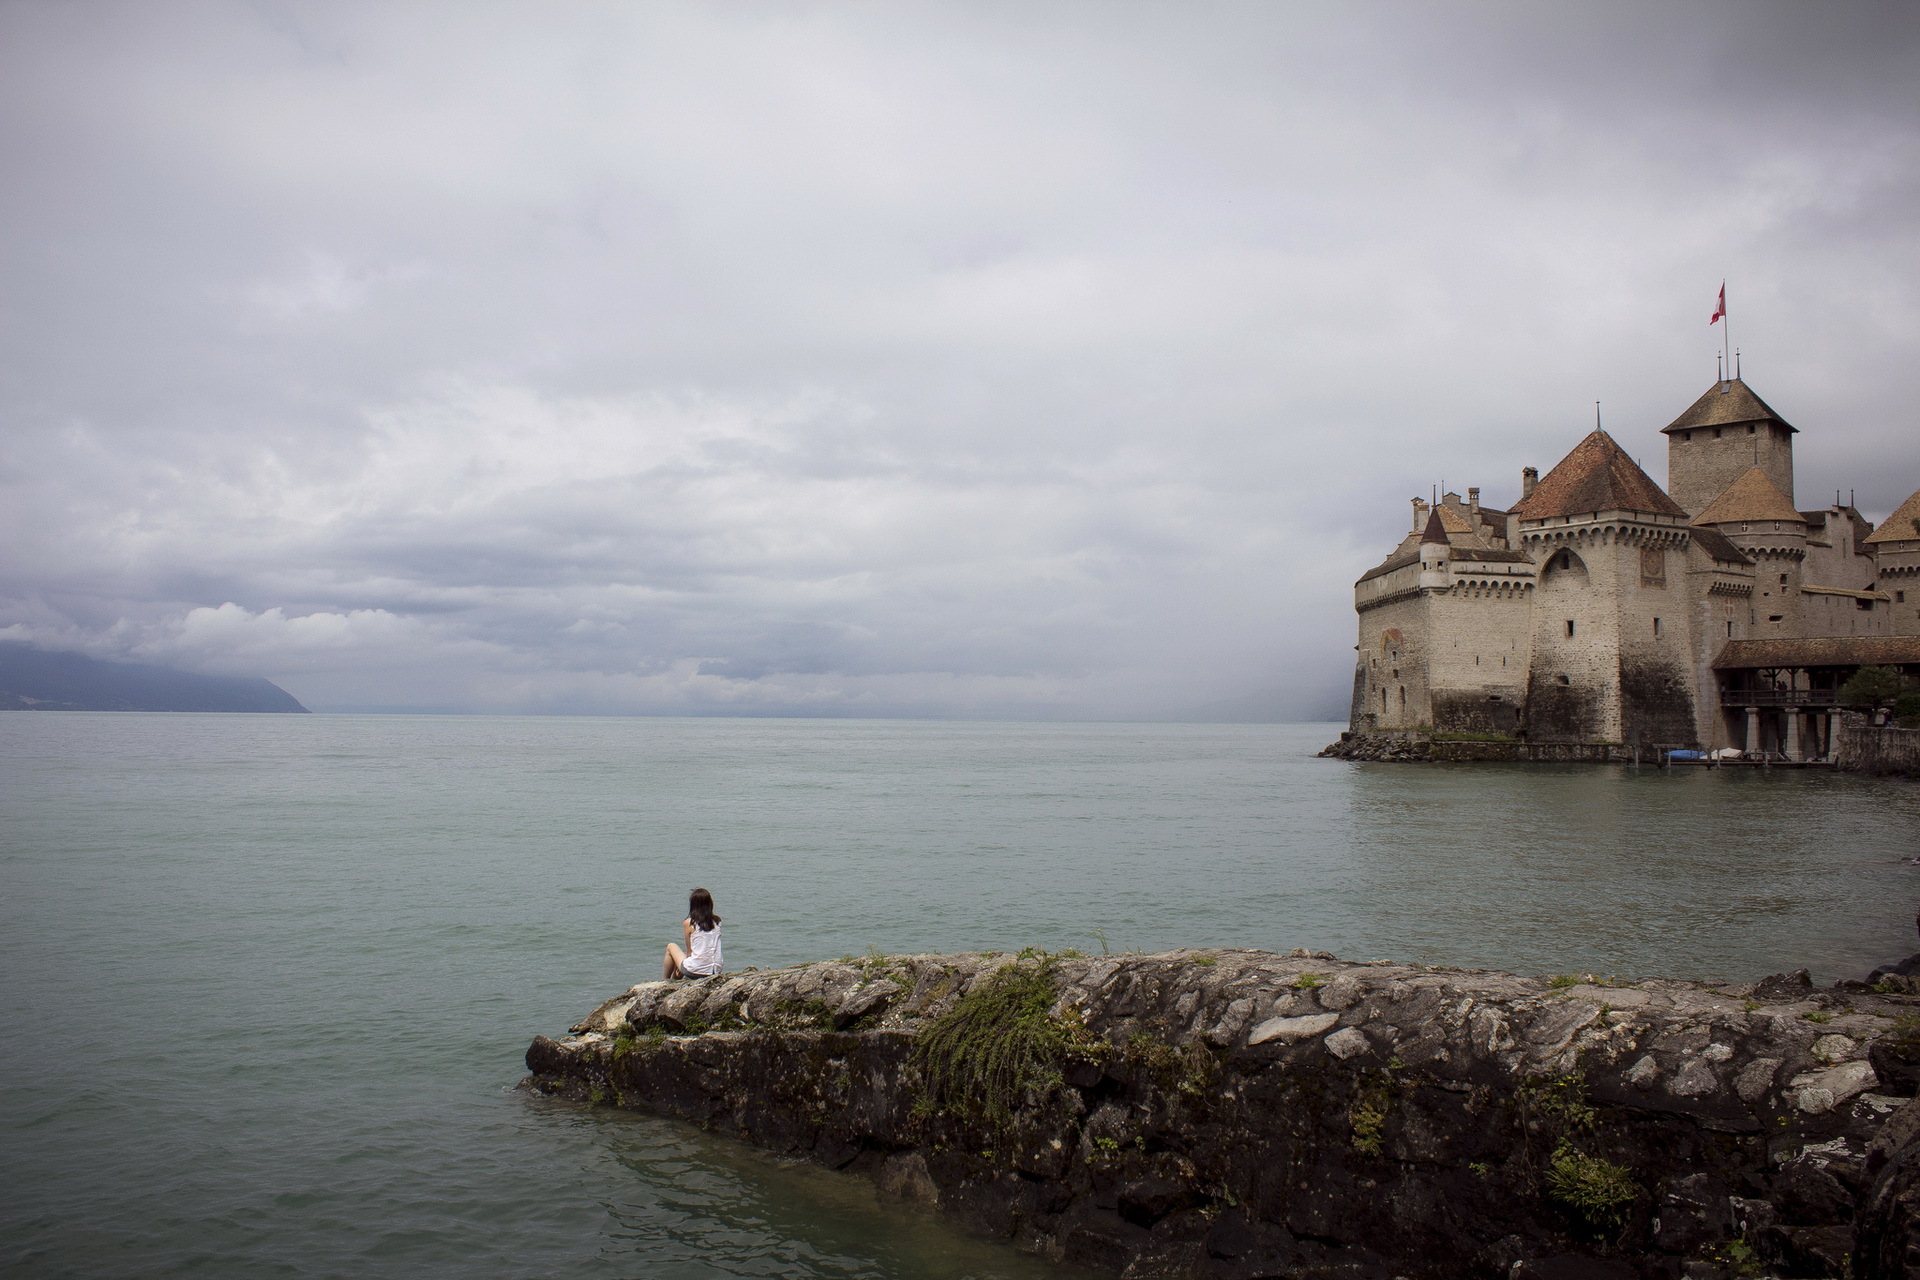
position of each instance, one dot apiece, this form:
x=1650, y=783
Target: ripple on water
x=269, y=978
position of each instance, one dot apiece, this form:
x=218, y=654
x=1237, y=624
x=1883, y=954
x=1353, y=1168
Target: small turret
x=1529, y=477
x=1436, y=569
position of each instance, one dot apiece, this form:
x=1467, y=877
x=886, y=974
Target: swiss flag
x=1720, y=307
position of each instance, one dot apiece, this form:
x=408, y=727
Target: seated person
x=700, y=932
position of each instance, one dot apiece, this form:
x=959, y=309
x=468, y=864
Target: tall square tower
x=1725, y=433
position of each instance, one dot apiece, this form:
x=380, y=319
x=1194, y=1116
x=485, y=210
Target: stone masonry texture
x=1240, y=1114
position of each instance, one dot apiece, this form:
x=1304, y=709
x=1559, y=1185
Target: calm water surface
x=267, y=980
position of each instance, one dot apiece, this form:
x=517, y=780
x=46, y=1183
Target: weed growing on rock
x=1206, y=962
x=1370, y=1109
x=1562, y=1102
x=1739, y=1259
x=997, y=1042
x=1598, y=1190
x=804, y=1014
x=1308, y=981
x=1817, y=1015
x=1369, y=1119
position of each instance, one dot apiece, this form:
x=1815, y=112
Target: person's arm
x=686, y=933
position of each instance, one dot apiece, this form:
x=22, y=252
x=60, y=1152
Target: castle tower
x=1435, y=555
x=1760, y=520
x=1896, y=549
x=1611, y=651
x=1726, y=432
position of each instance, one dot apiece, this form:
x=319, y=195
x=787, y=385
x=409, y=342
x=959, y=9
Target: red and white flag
x=1720, y=307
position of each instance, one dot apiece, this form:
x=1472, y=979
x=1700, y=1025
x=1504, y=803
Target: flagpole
x=1726, y=328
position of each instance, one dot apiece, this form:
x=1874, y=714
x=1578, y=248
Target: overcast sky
x=962, y=359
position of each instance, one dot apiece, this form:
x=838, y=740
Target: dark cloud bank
x=887, y=359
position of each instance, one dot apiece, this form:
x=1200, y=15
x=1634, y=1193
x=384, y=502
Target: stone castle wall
x=1866, y=748
x=1573, y=692
x=1478, y=655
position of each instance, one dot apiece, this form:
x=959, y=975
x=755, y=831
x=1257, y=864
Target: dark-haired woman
x=700, y=933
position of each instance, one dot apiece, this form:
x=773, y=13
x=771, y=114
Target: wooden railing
x=1779, y=698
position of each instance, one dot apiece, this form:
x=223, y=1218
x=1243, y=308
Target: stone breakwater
x=1411, y=744
x=1242, y=1114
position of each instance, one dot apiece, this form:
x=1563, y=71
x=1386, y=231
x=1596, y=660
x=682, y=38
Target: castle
x=1603, y=608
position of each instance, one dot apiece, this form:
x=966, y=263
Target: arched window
x=1564, y=567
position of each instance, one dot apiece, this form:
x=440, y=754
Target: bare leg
x=670, y=967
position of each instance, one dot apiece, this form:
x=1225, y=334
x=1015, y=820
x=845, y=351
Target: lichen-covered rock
x=1239, y=1114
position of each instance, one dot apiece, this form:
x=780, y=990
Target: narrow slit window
x=1569, y=628
x=1656, y=626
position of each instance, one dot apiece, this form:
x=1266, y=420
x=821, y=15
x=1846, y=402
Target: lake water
x=268, y=979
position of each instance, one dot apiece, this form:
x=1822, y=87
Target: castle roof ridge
x=1752, y=496
x=1596, y=475
x=1725, y=404
x=1902, y=526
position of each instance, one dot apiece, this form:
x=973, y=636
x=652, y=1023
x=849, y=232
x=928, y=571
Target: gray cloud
x=957, y=360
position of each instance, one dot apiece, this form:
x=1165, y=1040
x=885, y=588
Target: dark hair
x=700, y=910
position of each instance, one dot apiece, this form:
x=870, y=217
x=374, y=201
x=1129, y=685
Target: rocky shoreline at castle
x=1883, y=750
x=1236, y=1114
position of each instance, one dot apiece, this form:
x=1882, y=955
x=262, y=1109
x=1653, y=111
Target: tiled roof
x=1597, y=476
x=1824, y=651
x=1719, y=546
x=1724, y=404
x=1752, y=496
x=1398, y=560
x=1501, y=554
x=1903, y=525
x=1849, y=592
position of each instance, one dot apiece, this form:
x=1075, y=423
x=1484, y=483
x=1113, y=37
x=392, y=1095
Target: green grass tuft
x=977, y=1059
x=1598, y=1190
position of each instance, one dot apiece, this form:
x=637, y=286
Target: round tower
x=1436, y=556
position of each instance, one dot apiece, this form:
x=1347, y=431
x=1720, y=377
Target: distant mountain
x=34, y=680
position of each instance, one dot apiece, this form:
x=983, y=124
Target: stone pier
x=1229, y=1115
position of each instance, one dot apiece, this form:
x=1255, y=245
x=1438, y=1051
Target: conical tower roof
x=1902, y=526
x=1435, y=530
x=1725, y=404
x=1753, y=496
x=1597, y=476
